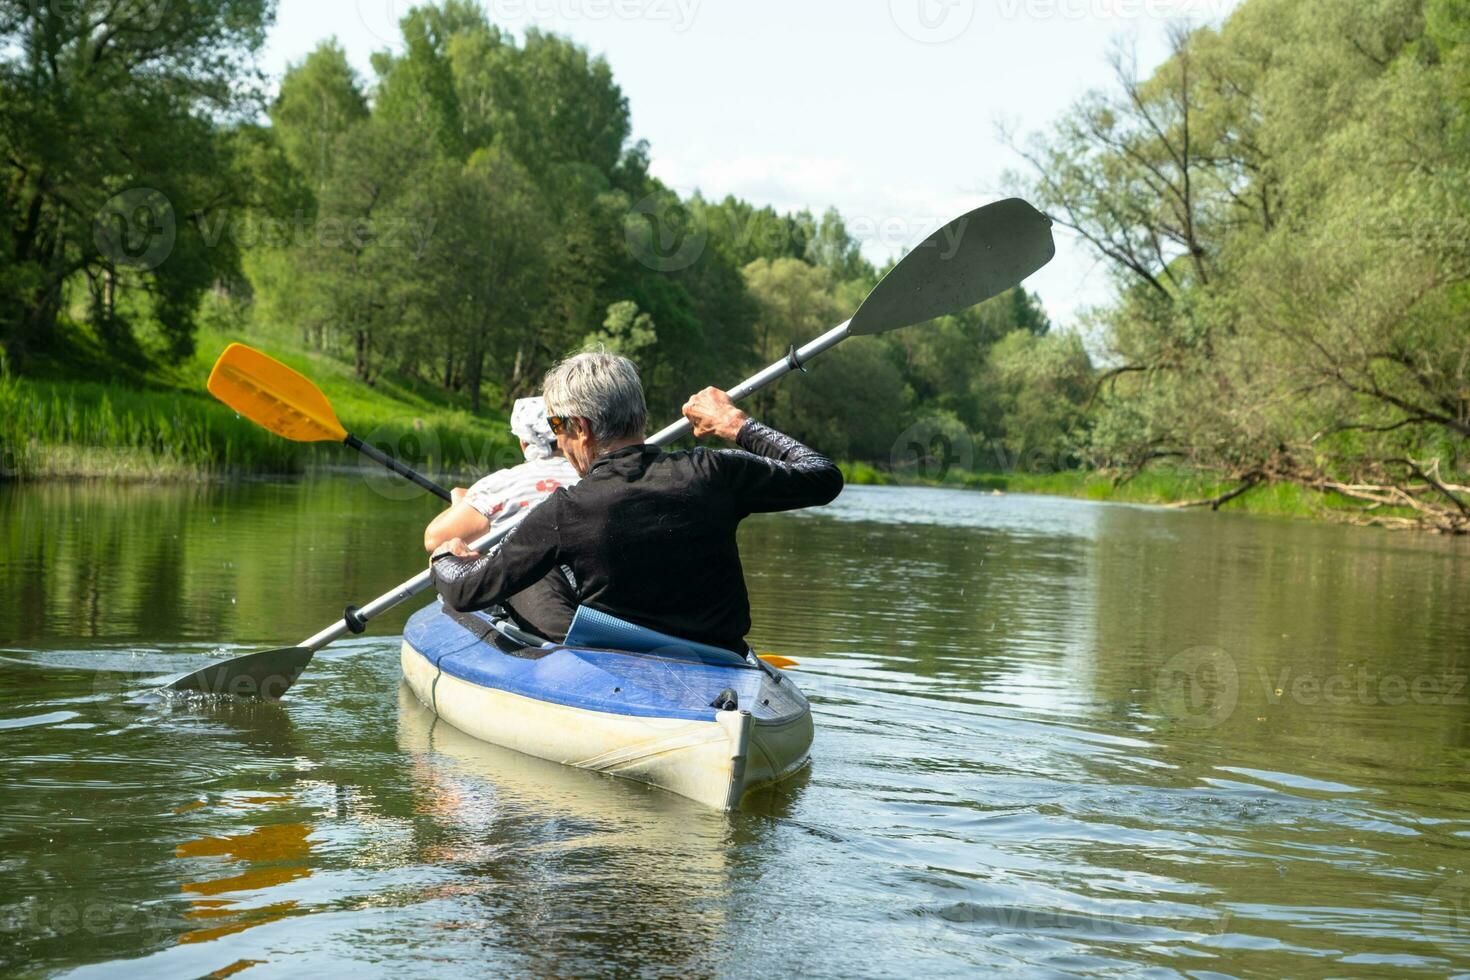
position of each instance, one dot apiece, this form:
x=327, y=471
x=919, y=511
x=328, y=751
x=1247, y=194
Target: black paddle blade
x=974, y=257
x=263, y=676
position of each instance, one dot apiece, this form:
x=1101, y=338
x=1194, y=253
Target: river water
x=1052, y=737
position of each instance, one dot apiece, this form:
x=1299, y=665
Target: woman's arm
x=459, y=521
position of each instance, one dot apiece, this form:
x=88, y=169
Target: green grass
x=863, y=474
x=134, y=423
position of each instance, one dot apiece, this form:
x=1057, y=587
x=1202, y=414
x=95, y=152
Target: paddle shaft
x=793, y=361
x=774, y=372
x=397, y=466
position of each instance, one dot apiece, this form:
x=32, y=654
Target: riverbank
x=1167, y=487
x=164, y=425
x=134, y=427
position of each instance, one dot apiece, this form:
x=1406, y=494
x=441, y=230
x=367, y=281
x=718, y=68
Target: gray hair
x=602, y=388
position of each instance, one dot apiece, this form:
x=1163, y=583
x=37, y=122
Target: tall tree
x=320, y=100
x=110, y=114
x=1283, y=202
x=833, y=249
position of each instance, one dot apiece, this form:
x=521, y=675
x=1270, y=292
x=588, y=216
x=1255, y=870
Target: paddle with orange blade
x=275, y=397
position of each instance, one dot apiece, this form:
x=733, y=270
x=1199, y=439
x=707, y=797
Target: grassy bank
x=150, y=425
x=134, y=424
x=1161, y=486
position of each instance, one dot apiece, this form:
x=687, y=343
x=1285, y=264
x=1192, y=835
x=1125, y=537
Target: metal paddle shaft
x=978, y=255
x=772, y=373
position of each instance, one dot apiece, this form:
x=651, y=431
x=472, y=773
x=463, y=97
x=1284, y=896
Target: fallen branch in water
x=1214, y=503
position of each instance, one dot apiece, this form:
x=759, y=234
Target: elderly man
x=647, y=536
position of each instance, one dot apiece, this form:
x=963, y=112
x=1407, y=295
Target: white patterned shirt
x=506, y=496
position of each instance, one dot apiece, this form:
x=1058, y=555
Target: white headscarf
x=528, y=422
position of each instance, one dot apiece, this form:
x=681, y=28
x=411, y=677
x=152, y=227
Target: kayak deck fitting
x=696, y=720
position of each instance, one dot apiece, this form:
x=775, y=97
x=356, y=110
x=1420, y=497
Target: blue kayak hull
x=709, y=731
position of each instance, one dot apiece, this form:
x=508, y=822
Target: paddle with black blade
x=974, y=257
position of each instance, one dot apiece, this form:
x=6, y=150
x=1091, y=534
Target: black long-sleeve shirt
x=649, y=536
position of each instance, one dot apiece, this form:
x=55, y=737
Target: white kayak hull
x=715, y=760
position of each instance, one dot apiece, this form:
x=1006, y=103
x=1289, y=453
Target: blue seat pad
x=602, y=631
x=638, y=684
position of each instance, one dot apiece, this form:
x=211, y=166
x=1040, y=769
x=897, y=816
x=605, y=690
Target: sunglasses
x=558, y=423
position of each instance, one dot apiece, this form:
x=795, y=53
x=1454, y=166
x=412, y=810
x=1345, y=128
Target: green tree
x=319, y=101
x=1284, y=204
x=742, y=233
x=626, y=331
x=832, y=248
x=944, y=362
x=852, y=404
x=111, y=124
x=490, y=255
x=1040, y=384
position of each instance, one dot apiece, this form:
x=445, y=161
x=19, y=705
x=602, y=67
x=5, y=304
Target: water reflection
x=1052, y=737
x=195, y=563
x=273, y=855
x=522, y=834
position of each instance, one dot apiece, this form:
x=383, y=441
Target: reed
x=96, y=429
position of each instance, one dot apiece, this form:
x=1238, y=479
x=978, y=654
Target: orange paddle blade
x=777, y=661
x=273, y=396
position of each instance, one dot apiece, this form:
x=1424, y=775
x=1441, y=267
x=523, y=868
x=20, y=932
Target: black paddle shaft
x=397, y=466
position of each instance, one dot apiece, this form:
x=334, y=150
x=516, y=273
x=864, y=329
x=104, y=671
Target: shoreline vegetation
x=168, y=431
x=163, y=425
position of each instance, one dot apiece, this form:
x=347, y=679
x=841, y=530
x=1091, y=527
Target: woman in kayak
x=503, y=499
x=647, y=536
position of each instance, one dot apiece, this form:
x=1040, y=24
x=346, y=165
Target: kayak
x=696, y=720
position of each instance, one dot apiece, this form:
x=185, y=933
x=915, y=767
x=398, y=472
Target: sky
x=886, y=109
